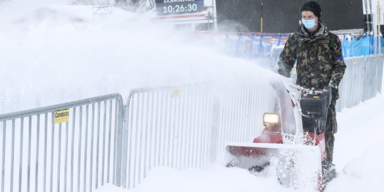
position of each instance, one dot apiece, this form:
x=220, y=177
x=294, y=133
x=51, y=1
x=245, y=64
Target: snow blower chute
x=292, y=140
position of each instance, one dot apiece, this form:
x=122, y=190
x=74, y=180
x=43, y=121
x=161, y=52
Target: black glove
x=283, y=69
x=333, y=87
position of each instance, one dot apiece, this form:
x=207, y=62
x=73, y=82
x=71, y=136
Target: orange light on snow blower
x=271, y=118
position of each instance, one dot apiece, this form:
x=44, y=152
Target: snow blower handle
x=314, y=105
x=328, y=90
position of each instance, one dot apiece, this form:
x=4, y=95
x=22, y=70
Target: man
x=319, y=63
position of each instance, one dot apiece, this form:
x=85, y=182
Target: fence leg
x=119, y=142
x=214, y=130
x=251, y=46
x=380, y=73
x=124, y=147
x=261, y=44
x=238, y=45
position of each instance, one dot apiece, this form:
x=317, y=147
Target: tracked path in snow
x=359, y=148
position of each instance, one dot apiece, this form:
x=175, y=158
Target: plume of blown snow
x=58, y=53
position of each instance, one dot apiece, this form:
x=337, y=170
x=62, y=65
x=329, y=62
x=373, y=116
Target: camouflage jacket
x=319, y=59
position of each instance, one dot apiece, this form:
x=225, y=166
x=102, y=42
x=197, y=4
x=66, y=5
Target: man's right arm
x=287, y=57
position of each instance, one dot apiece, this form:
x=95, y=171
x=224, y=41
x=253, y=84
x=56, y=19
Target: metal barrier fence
x=374, y=68
x=239, y=114
x=362, y=80
x=187, y=126
x=351, y=86
x=177, y=127
x=249, y=45
x=253, y=45
x=170, y=126
x=73, y=160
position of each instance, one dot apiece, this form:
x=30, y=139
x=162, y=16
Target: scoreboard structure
x=178, y=7
x=192, y=14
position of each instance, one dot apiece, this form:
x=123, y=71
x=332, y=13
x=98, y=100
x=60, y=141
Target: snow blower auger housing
x=293, y=138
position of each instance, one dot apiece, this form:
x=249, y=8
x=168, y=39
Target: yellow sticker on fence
x=61, y=116
x=176, y=92
x=354, y=61
x=375, y=58
x=316, y=97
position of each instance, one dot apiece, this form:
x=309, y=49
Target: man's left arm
x=338, y=66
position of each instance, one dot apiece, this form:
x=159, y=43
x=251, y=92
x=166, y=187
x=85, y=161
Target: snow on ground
x=359, y=157
x=214, y=178
x=359, y=148
x=56, y=53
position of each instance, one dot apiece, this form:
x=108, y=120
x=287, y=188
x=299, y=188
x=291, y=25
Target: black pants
x=330, y=130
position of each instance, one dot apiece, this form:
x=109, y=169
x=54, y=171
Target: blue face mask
x=309, y=24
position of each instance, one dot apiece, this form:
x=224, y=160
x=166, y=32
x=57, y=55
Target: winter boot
x=329, y=173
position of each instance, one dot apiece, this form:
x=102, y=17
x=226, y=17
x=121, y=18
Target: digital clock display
x=176, y=7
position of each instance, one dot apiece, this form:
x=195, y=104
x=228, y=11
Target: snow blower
x=292, y=140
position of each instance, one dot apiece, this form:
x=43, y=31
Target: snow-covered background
x=52, y=53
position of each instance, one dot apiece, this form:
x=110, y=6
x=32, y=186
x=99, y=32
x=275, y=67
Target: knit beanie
x=313, y=6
